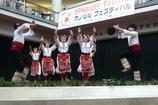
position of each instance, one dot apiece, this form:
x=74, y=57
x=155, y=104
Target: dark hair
x=16, y=25
x=132, y=26
x=111, y=30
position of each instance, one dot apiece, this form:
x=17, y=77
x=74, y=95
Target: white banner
x=95, y=12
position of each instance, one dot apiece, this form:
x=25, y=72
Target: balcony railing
x=138, y=3
x=30, y=8
x=145, y=3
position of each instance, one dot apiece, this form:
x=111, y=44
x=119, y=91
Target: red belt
x=135, y=48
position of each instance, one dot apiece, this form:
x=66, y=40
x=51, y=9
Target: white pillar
x=56, y=6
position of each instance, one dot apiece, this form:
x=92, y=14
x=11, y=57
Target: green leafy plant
x=73, y=82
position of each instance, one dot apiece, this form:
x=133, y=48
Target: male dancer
x=134, y=49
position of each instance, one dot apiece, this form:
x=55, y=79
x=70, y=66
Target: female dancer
x=63, y=58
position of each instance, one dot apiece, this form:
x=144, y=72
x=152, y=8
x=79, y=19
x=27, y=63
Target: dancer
x=17, y=62
x=134, y=49
x=88, y=48
x=35, y=67
x=47, y=61
x=63, y=58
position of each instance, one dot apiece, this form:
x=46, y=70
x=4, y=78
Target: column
x=56, y=7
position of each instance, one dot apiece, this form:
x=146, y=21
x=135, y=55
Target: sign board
x=94, y=12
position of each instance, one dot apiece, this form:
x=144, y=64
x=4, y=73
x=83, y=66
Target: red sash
x=17, y=46
x=135, y=48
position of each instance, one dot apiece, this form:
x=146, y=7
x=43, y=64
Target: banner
x=94, y=12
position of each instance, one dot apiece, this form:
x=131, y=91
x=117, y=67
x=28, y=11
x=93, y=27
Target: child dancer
x=35, y=67
x=134, y=49
x=88, y=48
x=63, y=58
x=47, y=61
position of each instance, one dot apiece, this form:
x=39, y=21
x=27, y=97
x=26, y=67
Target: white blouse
x=132, y=37
x=35, y=56
x=21, y=32
x=63, y=47
x=48, y=51
x=86, y=47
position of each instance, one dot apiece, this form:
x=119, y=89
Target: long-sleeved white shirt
x=63, y=47
x=132, y=37
x=48, y=51
x=21, y=32
x=35, y=56
x=86, y=47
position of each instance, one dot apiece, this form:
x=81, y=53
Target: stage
x=81, y=95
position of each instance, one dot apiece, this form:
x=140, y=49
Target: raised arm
x=41, y=45
x=70, y=37
x=30, y=47
x=24, y=26
x=56, y=37
x=30, y=26
x=94, y=31
x=117, y=27
x=79, y=38
x=124, y=31
x=29, y=33
x=53, y=47
x=92, y=38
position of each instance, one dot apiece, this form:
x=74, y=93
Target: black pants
x=133, y=58
x=16, y=62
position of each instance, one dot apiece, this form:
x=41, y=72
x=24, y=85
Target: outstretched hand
x=56, y=32
x=30, y=47
x=94, y=29
x=116, y=26
x=71, y=33
x=79, y=29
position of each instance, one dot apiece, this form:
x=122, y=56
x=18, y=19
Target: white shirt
x=21, y=32
x=132, y=37
x=86, y=47
x=35, y=56
x=63, y=47
x=48, y=51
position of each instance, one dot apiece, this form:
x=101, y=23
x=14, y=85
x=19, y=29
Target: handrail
x=138, y=3
x=30, y=8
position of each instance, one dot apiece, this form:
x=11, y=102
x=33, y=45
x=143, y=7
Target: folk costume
x=133, y=52
x=47, y=61
x=16, y=50
x=63, y=58
x=36, y=66
x=86, y=66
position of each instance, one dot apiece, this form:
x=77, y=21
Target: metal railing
x=30, y=8
x=138, y=3
x=145, y=3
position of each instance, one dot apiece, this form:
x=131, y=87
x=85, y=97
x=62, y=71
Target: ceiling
x=48, y=3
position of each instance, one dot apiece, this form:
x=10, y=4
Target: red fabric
x=64, y=62
x=85, y=76
x=63, y=76
x=86, y=63
x=17, y=46
x=36, y=77
x=135, y=48
x=45, y=78
x=35, y=68
x=47, y=66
